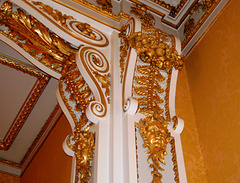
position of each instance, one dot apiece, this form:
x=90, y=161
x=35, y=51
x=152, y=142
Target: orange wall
x=213, y=70
x=9, y=178
x=51, y=164
x=190, y=141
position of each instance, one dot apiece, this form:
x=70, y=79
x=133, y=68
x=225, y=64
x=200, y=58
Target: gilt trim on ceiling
x=27, y=106
x=38, y=141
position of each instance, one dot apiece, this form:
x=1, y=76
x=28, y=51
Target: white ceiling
x=16, y=88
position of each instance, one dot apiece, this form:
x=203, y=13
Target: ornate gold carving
x=75, y=28
x=22, y=68
x=103, y=11
x=154, y=132
x=27, y=107
x=34, y=37
x=74, y=86
x=79, y=92
x=190, y=27
x=174, y=160
x=105, y=4
x=151, y=47
x=166, y=98
x=59, y=56
x=83, y=147
x=175, y=122
x=95, y=63
x=104, y=80
x=141, y=12
x=156, y=58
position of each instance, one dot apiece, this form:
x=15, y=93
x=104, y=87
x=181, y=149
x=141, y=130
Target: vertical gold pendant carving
x=156, y=54
x=82, y=143
x=154, y=132
x=83, y=147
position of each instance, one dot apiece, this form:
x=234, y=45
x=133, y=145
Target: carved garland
x=156, y=52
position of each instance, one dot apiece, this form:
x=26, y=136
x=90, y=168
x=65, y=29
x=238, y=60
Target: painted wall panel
x=51, y=164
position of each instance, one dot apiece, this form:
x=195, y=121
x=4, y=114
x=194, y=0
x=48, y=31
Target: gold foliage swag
x=155, y=52
x=58, y=55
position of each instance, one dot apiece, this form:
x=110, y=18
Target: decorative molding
x=35, y=142
x=21, y=67
x=174, y=160
x=10, y=163
x=81, y=31
x=174, y=10
x=99, y=10
x=83, y=145
x=28, y=105
x=31, y=35
x=156, y=57
x=190, y=27
x=40, y=134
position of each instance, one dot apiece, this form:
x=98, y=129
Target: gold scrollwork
x=125, y=31
x=34, y=37
x=97, y=65
x=73, y=27
x=83, y=146
x=155, y=135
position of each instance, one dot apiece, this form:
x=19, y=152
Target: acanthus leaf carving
x=156, y=58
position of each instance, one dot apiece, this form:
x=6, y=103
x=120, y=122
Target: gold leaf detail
x=155, y=135
x=83, y=147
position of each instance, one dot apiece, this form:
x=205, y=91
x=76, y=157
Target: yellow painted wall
x=213, y=70
x=9, y=178
x=190, y=141
x=51, y=164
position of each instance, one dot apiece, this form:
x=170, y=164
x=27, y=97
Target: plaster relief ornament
x=83, y=145
x=156, y=54
x=58, y=56
x=154, y=132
